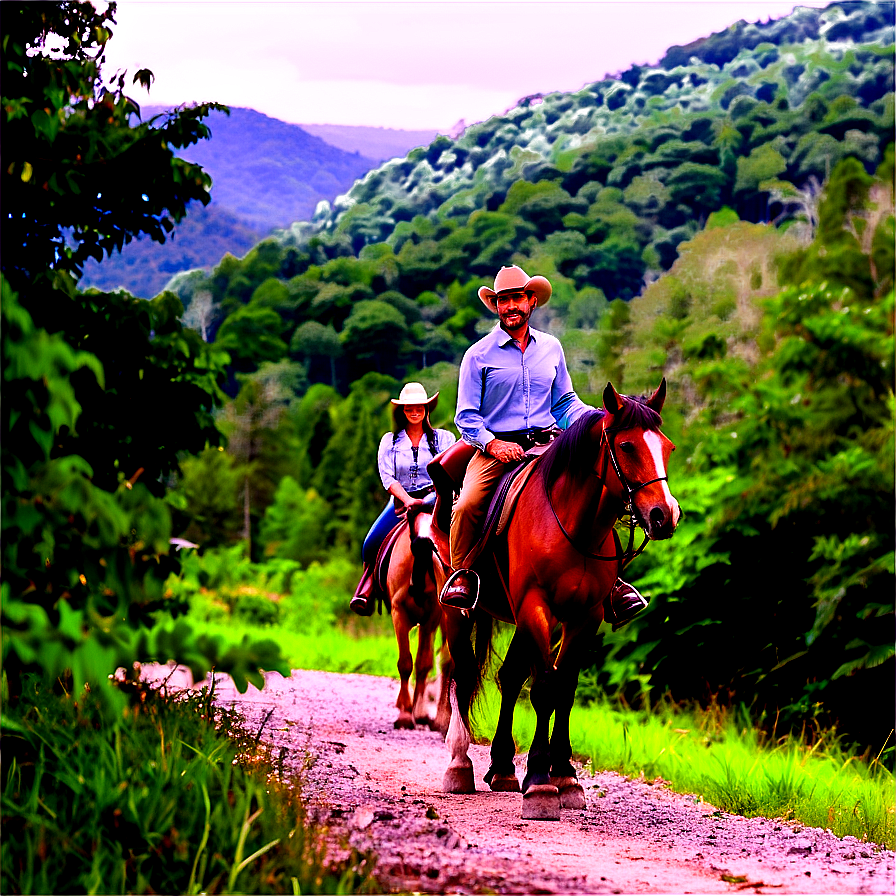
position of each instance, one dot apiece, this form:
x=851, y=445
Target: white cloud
x=397, y=64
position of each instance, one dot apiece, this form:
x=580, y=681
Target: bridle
x=633, y=520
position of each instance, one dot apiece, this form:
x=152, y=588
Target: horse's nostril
x=657, y=517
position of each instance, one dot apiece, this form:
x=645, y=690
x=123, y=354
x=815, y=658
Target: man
x=514, y=387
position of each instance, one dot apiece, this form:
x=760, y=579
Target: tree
x=374, y=332
x=101, y=393
x=211, y=487
x=72, y=158
x=260, y=434
x=314, y=340
x=295, y=524
x=251, y=336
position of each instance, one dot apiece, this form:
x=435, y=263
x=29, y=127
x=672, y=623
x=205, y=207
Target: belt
x=526, y=438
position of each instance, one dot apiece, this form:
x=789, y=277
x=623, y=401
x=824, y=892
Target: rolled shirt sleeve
x=385, y=461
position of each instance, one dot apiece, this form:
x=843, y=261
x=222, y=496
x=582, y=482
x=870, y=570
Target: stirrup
x=637, y=605
x=460, y=600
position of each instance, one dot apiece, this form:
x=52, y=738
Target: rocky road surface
x=377, y=789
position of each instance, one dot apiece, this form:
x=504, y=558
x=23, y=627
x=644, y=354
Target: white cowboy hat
x=415, y=393
x=514, y=279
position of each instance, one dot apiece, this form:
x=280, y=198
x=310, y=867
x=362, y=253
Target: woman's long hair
x=400, y=423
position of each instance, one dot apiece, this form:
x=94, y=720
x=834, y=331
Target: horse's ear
x=612, y=401
x=656, y=400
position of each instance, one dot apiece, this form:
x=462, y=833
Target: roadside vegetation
x=174, y=797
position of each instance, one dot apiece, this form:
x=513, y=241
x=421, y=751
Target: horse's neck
x=596, y=508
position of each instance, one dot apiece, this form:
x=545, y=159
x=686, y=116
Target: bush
x=158, y=802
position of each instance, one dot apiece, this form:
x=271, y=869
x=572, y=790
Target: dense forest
x=724, y=218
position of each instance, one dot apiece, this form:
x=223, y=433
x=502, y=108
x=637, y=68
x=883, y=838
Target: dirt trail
x=378, y=789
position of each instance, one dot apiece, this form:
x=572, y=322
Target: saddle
x=447, y=473
x=381, y=564
x=503, y=501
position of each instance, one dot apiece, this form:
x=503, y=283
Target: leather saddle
x=447, y=473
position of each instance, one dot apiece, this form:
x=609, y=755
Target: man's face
x=515, y=309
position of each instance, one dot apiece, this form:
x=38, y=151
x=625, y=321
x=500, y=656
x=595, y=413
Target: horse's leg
x=541, y=798
x=405, y=665
x=563, y=773
x=423, y=666
x=458, y=776
x=513, y=673
x=443, y=707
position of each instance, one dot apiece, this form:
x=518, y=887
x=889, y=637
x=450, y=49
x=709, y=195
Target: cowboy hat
x=415, y=393
x=514, y=279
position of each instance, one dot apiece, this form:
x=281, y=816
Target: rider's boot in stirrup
x=364, y=601
x=461, y=591
x=622, y=604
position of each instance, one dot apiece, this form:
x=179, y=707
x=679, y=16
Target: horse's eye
x=628, y=447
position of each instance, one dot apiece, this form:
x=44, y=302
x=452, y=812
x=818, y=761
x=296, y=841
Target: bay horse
x=414, y=601
x=552, y=569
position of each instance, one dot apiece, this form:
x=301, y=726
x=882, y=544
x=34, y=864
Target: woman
x=402, y=458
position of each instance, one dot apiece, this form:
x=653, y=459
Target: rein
x=624, y=558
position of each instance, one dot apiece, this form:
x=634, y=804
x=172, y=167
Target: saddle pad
x=513, y=492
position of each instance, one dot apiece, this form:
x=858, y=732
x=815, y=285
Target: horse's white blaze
x=655, y=445
x=424, y=526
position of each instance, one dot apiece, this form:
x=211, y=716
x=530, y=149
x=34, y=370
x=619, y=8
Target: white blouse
x=398, y=463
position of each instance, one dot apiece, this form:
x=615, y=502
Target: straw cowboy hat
x=514, y=279
x=415, y=393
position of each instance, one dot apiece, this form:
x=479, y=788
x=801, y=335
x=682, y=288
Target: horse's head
x=638, y=455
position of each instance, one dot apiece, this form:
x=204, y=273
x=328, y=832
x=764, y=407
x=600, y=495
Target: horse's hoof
x=505, y=784
x=541, y=802
x=459, y=780
x=572, y=794
x=405, y=721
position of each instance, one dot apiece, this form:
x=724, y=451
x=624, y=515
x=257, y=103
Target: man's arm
x=469, y=402
x=566, y=406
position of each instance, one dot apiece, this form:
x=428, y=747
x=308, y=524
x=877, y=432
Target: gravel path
x=378, y=789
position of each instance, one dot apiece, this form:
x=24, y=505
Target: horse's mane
x=568, y=452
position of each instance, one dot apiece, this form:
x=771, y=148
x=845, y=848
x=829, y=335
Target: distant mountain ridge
x=266, y=174
x=380, y=144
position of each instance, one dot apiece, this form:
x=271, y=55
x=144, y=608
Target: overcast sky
x=414, y=65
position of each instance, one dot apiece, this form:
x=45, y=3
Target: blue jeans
x=384, y=524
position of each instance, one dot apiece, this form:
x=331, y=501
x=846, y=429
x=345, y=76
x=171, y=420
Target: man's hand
x=505, y=451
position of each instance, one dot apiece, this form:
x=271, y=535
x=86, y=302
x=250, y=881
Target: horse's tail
x=482, y=649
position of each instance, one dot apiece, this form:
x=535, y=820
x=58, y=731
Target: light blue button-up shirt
x=396, y=462
x=503, y=389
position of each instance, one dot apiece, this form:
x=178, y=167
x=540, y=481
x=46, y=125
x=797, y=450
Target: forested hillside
x=669, y=207
x=266, y=174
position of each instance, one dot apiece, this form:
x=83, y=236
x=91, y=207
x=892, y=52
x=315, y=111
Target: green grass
x=156, y=800
x=721, y=757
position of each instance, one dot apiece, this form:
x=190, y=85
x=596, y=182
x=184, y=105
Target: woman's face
x=415, y=413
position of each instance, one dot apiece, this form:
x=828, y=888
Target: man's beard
x=523, y=319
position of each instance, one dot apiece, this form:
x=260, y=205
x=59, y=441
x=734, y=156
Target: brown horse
x=413, y=601
x=550, y=571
